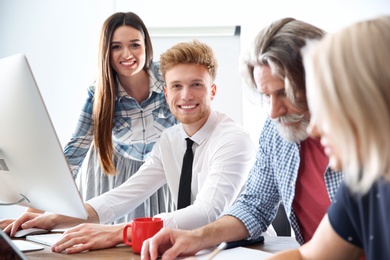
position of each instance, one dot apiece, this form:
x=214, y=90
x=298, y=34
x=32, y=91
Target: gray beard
x=296, y=133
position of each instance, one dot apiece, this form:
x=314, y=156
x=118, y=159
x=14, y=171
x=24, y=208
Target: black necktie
x=184, y=198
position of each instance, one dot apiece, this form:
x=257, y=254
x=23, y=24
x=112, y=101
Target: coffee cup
x=141, y=229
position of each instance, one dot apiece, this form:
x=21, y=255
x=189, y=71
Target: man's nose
x=277, y=107
x=186, y=93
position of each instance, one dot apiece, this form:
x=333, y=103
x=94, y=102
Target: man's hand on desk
x=30, y=220
x=5, y=223
x=89, y=237
x=171, y=243
x=38, y=219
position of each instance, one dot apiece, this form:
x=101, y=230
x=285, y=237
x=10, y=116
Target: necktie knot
x=189, y=143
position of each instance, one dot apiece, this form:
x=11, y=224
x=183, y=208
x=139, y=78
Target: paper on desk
x=231, y=254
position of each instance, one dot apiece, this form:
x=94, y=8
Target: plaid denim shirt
x=271, y=181
x=136, y=127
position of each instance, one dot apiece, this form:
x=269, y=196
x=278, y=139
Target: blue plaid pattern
x=136, y=127
x=271, y=181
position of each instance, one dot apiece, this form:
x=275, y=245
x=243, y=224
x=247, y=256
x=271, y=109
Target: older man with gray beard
x=290, y=168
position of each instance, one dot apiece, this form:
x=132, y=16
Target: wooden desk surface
x=117, y=253
x=271, y=244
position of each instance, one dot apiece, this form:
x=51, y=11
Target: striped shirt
x=271, y=181
x=136, y=127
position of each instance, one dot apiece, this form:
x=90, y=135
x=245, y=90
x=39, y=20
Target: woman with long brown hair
x=123, y=116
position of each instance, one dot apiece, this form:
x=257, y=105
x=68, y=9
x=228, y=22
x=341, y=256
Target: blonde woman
x=348, y=88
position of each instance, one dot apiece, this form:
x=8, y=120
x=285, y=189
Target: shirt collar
x=120, y=91
x=205, y=131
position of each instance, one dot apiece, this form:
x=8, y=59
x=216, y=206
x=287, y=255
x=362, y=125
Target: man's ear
x=213, y=91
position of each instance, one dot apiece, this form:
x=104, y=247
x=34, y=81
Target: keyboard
x=26, y=246
x=45, y=239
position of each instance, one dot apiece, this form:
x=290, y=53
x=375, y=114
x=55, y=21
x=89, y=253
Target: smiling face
x=189, y=91
x=290, y=121
x=127, y=50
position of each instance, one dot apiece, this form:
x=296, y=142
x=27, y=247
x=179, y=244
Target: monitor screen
x=33, y=169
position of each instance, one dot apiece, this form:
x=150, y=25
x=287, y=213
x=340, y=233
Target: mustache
x=289, y=119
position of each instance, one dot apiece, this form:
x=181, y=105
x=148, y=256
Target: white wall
x=60, y=38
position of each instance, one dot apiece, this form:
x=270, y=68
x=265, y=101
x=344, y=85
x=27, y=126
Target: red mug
x=141, y=229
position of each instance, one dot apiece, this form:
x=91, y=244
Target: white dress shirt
x=223, y=156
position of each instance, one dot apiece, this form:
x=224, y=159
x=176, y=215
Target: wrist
x=118, y=234
x=52, y=219
x=202, y=240
x=61, y=221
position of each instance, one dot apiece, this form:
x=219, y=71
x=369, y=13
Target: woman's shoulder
x=91, y=88
x=155, y=70
x=156, y=77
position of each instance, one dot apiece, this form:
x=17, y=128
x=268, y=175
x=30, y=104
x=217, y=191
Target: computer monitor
x=33, y=169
